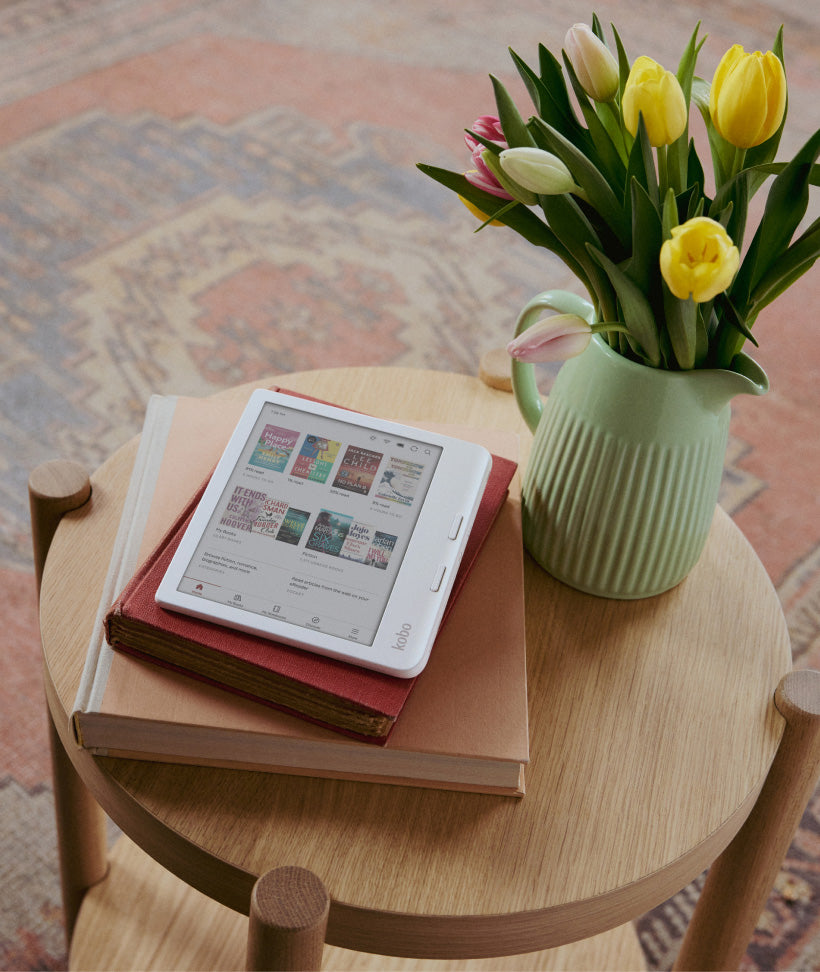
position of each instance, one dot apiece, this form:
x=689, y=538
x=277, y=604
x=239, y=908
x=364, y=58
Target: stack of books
x=155, y=685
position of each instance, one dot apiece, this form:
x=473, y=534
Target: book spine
x=156, y=427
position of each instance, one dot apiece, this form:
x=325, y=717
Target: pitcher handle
x=524, y=384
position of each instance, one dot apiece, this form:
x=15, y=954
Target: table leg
x=54, y=489
x=81, y=837
x=741, y=879
x=288, y=921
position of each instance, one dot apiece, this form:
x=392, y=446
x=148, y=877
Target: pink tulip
x=555, y=338
x=489, y=127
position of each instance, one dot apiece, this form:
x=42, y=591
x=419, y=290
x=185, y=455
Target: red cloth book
x=344, y=697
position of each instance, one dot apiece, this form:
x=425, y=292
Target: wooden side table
x=653, y=727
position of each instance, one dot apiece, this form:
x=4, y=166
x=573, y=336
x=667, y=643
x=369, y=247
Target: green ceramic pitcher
x=623, y=477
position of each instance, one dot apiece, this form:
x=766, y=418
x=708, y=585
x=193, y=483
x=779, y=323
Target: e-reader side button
x=455, y=526
x=438, y=577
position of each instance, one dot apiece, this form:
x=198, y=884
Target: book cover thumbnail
x=293, y=526
x=399, y=481
x=380, y=549
x=357, y=470
x=270, y=516
x=274, y=448
x=316, y=458
x=357, y=543
x=242, y=509
x=329, y=532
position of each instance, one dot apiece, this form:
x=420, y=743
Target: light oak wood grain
x=167, y=925
x=652, y=728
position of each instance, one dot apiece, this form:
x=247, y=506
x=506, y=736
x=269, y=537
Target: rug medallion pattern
x=180, y=251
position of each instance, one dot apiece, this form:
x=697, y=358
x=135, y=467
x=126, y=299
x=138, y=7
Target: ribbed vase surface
x=624, y=473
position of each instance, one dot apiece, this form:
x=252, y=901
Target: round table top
x=652, y=727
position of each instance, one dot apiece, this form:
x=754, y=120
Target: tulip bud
x=482, y=177
x=657, y=95
x=511, y=186
x=487, y=126
x=747, y=99
x=541, y=172
x=553, y=339
x=596, y=68
x=700, y=260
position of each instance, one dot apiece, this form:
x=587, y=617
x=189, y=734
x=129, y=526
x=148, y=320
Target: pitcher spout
x=719, y=386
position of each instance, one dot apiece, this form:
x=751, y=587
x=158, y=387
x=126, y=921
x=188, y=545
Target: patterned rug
x=199, y=193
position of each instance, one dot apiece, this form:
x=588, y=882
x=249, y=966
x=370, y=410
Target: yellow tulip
x=656, y=94
x=747, y=99
x=479, y=215
x=700, y=260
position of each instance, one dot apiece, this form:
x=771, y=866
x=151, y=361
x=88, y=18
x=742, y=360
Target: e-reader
x=330, y=531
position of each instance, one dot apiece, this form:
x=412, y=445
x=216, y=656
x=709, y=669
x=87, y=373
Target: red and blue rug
x=195, y=194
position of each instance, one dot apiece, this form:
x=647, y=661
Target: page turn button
x=438, y=577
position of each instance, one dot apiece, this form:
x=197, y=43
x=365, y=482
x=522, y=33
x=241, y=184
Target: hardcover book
x=333, y=693
x=456, y=731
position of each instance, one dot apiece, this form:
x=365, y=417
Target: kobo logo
x=401, y=637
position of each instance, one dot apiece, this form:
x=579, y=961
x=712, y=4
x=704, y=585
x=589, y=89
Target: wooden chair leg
x=55, y=488
x=288, y=921
x=741, y=879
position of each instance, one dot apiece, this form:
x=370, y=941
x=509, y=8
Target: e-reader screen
x=308, y=525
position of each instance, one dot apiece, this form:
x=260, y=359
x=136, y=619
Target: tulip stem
x=609, y=327
x=738, y=161
x=663, y=170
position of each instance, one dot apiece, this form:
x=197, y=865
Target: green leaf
x=669, y=216
x=775, y=168
x=729, y=314
x=731, y=205
x=722, y=152
x=524, y=221
x=647, y=237
x=604, y=153
x=535, y=87
x=588, y=177
x=571, y=226
x=642, y=165
x=690, y=203
x=694, y=170
x=488, y=143
x=702, y=336
x=677, y=154
x=623, y=62
x=637, y=311
x=785, y=207
x=797, y=259
x=686, y=67
x=515, y=130
x=681, y=318
x=731, y=332
x=550, y=96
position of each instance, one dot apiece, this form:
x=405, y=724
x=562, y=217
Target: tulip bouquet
x=621, y=196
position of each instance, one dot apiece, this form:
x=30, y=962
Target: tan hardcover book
x=464, y=726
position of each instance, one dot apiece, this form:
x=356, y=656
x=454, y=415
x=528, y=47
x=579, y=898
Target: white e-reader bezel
x=233, y=567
